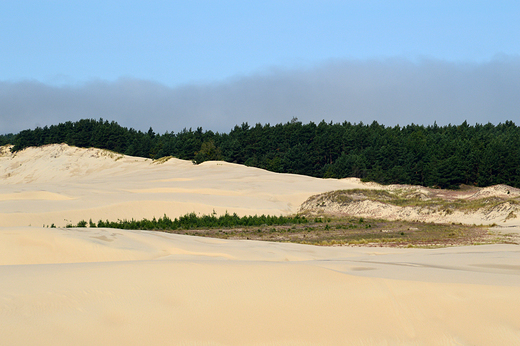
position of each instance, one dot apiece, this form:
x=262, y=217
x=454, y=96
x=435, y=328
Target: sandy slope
x=498, y=204
x=115, y=287
x=61, y=184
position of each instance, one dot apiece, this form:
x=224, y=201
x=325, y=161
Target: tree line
x=436, y=156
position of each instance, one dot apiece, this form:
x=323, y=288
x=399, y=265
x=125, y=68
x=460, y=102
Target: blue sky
x=56, y=54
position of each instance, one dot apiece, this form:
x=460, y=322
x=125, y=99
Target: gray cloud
x=390, y=92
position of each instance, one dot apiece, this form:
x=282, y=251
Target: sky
x=215, y=64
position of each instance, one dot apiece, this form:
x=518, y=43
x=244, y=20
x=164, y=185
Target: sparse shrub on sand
x=298, y=229
x=194, y=221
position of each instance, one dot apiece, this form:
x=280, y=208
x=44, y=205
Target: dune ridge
x=99, y=184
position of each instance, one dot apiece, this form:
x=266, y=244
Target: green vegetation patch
x=325, y=231
x=194, y=221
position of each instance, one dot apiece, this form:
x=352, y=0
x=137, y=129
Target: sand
x=61, y=185
x=90, y=286
x=348, y=203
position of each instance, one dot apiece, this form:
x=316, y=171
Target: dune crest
x=99, y=184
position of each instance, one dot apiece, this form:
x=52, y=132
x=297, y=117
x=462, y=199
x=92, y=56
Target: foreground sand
x=103, y=286
x=113, y=287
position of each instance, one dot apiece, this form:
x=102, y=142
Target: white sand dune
x=114, y=287
x=61, y=184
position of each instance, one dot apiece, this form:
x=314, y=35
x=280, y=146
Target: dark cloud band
x=390, y=92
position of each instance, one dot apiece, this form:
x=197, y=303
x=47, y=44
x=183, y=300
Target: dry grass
x=112, y=154
x=412, y=198
x=162, y=160
x=328, y=231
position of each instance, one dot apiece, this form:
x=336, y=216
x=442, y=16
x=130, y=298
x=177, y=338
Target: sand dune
x=96, y=184
x=498, y=204
x=114, y=287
